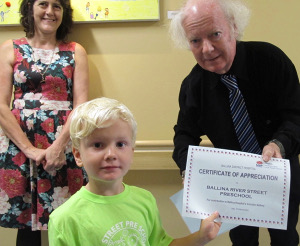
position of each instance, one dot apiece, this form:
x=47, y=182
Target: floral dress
x=42, y=102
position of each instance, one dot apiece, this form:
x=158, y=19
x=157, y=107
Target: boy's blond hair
x=98, y=113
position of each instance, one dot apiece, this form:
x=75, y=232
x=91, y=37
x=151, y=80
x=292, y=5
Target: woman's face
x=47, y=16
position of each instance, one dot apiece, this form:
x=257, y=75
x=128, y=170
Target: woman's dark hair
x=27, y=21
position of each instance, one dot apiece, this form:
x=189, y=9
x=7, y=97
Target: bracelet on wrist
x=279, y=144
x=183, y=174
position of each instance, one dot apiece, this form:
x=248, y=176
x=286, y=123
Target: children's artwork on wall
x=6, y=10
x=115, y=10
x=90, y=11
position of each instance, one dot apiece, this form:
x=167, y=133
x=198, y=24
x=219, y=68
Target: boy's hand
x=209, y=228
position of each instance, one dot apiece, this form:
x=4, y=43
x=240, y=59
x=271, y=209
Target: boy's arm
x=55, y=238
x=208, y=231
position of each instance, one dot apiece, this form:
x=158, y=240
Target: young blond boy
x=106, y=211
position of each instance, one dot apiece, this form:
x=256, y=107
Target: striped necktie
x=240, y=117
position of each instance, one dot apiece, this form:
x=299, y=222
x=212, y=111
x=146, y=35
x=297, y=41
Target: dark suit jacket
x=269, y=83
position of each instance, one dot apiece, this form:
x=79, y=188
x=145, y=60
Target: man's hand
x=271, y=150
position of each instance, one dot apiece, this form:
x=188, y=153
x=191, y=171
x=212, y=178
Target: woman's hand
x=35, y=154
x=55, y=158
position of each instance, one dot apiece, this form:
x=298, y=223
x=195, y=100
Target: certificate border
x=232, y=218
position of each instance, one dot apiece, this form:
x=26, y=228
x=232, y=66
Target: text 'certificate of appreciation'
x=243, y=188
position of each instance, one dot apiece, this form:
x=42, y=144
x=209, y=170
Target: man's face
x=211, y=37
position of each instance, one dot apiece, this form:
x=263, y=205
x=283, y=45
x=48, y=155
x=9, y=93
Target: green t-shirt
x=129, y=218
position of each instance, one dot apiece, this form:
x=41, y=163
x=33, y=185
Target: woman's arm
x=55, y=155
x=8, y=121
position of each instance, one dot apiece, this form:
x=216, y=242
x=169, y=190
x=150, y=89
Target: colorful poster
x=93, y=11
x=9, y=12
x=115, y=10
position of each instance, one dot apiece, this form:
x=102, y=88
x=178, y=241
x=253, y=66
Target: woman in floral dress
x=48, y=77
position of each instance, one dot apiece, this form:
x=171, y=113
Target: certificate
x=243, y=188
x=193, y=224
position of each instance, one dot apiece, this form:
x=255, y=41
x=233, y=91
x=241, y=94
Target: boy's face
x=106, y=154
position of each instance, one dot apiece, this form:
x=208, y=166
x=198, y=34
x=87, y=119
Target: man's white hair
x=236, y=12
